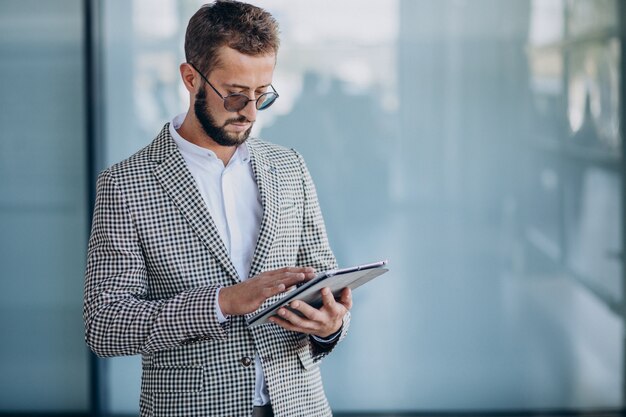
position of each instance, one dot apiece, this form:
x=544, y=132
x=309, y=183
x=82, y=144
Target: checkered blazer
x=155, y=260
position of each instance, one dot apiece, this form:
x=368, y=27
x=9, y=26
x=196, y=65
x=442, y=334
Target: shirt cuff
x=221, y=318
x=330, y=339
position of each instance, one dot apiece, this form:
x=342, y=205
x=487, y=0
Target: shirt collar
x=241, y=155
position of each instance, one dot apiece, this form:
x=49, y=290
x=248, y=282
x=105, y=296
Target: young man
x=203, y=227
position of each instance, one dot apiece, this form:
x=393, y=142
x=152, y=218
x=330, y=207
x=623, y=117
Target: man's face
x=237, y=73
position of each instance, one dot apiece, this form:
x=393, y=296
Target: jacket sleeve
x=119, y=317
x=315, y=251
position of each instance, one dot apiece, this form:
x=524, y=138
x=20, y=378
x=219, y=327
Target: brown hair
x=241, y=26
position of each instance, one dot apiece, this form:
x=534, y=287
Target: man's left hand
x=321, y=322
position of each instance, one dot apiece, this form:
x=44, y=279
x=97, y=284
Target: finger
x=292, y=279
x=328, y=298
x=287, y=325
x=310, y=272
x=346, y=298
x=309, y=312
x=307, y=272
x=273, y=290
x=275, y=273
x=286, y=278
x=295, y=319
x=294, y=269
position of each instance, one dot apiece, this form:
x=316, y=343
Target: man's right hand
x=247, y=296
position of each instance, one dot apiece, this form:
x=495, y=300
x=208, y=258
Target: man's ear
x=190, y=80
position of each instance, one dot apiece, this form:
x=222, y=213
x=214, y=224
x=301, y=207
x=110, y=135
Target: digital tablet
x=310, y=292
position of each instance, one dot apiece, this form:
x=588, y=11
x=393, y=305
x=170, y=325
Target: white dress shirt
x=232, y=197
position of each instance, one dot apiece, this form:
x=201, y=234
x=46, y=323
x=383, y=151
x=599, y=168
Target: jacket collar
x=267, y=179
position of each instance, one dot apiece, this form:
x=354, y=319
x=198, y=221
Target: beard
x=210, y=126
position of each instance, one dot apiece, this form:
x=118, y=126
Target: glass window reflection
x=474, y=144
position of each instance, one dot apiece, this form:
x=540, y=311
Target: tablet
x=310, y=292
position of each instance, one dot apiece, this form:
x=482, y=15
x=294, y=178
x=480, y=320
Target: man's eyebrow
x=245, y=87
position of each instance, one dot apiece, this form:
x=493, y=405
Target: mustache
x=240, y=119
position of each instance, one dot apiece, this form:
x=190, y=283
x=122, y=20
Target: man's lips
x=239, y=127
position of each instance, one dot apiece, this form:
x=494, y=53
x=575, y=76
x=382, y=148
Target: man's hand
x=323, y=322
x=247, y=296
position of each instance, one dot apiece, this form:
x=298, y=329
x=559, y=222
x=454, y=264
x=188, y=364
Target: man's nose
x=249, y=112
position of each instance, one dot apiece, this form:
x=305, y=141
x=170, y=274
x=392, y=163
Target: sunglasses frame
x=268, y=97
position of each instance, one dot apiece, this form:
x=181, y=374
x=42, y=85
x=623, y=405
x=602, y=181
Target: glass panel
x=591, y=17
x=43, y=210
x=142, y=49
x=482, y=158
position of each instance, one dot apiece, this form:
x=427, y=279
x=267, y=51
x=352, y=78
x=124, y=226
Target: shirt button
x=246, y=361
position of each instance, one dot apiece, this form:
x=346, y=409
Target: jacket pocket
x=173, y=379
x=304, y=353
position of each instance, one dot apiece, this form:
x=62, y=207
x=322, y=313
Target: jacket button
x=246, y=361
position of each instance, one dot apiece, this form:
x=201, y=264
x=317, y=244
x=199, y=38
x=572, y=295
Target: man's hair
x=245, y=28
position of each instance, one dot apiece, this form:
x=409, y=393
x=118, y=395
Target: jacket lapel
x=266, y=176
x=172, y=173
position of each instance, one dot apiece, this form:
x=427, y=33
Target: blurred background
x=476, y=144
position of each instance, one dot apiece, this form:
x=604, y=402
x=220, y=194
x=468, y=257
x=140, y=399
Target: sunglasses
x=238, y=101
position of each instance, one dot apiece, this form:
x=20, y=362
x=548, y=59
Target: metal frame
x=98, y=398
x=622, y=131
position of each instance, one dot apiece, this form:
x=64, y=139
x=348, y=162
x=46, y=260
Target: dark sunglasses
x=238, y=101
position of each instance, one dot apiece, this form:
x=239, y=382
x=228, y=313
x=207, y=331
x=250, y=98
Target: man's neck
x=191, y=131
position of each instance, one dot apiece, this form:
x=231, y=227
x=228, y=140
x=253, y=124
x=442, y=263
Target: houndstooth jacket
x=155, y=260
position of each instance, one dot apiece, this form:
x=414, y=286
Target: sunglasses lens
x=266, y=100
x=235, y=102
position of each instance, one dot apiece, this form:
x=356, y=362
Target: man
x=200, y=229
